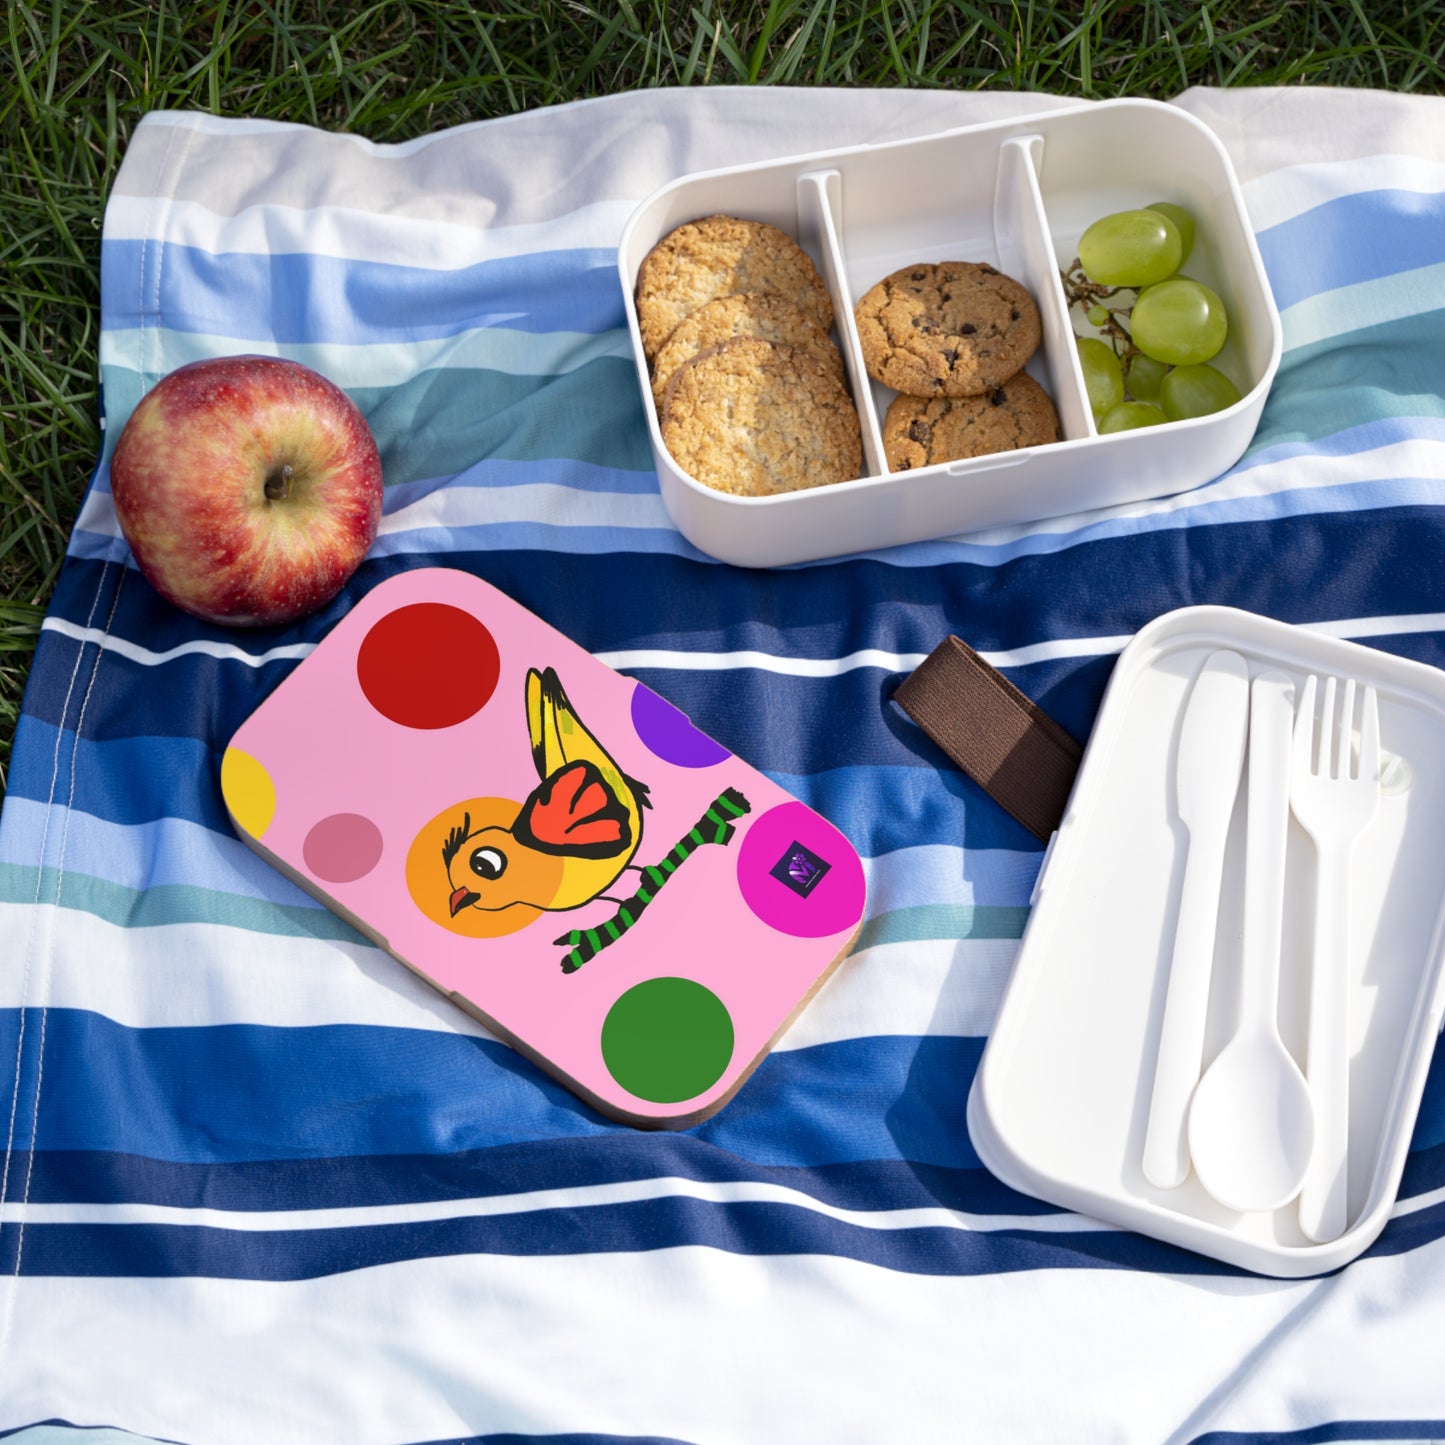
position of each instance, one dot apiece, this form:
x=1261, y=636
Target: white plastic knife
x=1211, y=758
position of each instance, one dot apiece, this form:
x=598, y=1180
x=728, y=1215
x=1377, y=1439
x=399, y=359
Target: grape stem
x=1085, y=294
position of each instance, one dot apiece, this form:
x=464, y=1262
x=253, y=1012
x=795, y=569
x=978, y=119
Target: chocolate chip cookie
x=918, y=432
x=749, y=313
x=955, y=328
x=753, y=418
x=717, y=256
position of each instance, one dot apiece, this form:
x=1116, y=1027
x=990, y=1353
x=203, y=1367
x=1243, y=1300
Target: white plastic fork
x=1334, y=797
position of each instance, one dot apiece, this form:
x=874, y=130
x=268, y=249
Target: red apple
x=248, y=487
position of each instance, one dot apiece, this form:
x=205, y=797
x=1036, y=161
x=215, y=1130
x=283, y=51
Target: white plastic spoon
x=1251, y=1121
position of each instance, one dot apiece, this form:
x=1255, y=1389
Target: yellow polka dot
x=249, y=792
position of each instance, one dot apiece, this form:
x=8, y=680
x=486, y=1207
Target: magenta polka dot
x=799, y=874
x=342, y=848
x=669, y=733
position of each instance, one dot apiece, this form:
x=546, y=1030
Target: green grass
x=76, y=77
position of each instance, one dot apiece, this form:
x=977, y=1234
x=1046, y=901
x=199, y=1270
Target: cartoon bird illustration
x=585, y=814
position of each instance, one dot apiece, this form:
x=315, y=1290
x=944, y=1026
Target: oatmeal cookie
x=752, y=417
x=748, y=313
x=956, y=328
x=716, y=256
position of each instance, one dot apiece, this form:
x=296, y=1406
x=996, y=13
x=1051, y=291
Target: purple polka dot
x=342, y=848
x=670, y=734
x=799, y=874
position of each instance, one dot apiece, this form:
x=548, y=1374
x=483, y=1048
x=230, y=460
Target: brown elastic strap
x=1009, y=746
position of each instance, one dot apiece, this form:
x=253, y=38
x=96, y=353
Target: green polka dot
x=667, y=1039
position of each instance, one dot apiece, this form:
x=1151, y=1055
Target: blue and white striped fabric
x=260, y=1184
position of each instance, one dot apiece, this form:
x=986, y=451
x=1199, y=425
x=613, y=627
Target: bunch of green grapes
x=1154, y=365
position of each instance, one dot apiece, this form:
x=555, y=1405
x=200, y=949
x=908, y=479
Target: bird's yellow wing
x=536, y=721
x=558, y=738
x=557, y=734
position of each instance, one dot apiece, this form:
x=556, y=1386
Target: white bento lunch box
x=1060, y=1105
x=1016, y=195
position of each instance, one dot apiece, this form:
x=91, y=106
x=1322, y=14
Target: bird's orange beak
x=463, y=898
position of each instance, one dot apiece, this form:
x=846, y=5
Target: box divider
x=1026, y=251
x=820, y=219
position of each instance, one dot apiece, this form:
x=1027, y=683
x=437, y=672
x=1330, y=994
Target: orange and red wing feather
x=575, y=812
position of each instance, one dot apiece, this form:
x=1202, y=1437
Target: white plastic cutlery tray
x=1060, y=1105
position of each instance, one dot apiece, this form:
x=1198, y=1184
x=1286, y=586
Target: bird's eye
x=488, y=862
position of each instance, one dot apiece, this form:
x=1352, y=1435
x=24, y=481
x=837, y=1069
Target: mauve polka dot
x=342, y=848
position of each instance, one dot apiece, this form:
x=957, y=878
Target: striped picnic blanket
x=260, y=1184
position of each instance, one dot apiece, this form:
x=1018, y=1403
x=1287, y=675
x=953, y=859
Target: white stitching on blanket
x=44, y=989
x=39, y=878
x=164, y=188
x=30, y=947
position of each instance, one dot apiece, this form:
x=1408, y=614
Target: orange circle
x=430, y=889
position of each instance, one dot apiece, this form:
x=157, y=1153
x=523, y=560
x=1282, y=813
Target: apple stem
x=278, y=484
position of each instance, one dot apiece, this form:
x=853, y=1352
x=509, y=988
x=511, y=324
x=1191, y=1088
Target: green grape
x=1103, y=376
x=1130, y=248
x=1183, y=223
x=1098, y=315
x=1144, y=376
x=1131, y=414
x=1196, y=391
x=1179, y=322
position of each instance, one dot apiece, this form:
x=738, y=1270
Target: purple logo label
x=800, y=869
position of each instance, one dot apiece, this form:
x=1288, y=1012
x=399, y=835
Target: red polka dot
x=428, y=665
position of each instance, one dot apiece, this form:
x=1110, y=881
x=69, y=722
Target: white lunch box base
x=1016, y=195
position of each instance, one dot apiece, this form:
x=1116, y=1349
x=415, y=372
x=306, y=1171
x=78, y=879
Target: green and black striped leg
x=715, y=826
